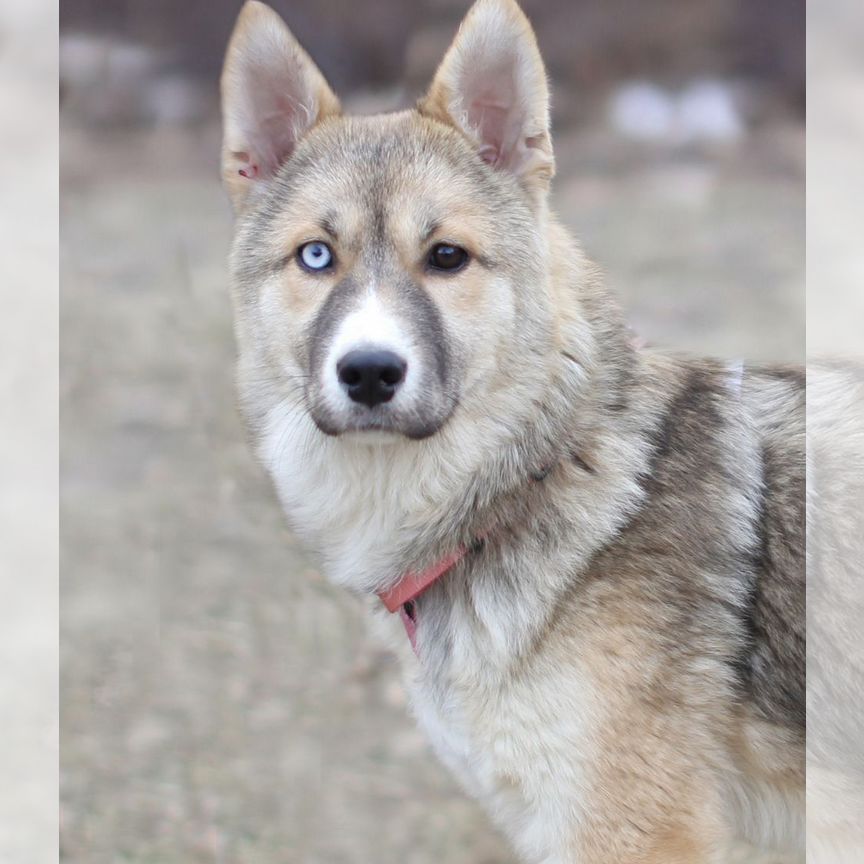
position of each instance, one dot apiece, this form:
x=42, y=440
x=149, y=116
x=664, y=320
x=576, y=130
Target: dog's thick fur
x=618, y=672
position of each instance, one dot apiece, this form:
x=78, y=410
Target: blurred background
x=221, y=703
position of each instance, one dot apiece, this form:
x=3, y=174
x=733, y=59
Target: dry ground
x=221, y=702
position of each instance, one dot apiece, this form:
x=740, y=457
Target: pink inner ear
x=276, y=110
x=499, y=131
x=489, y=118
x=492, y=110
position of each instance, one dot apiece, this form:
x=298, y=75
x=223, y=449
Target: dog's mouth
x=396, y=419
x=383, y=427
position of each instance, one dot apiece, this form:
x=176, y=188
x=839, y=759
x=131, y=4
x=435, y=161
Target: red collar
x=412, y=584
x=402, y=595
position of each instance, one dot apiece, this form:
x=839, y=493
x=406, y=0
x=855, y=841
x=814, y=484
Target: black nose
x=371, y=376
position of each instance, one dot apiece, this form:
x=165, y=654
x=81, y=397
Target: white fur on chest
x=518, y=741
x=517, y=744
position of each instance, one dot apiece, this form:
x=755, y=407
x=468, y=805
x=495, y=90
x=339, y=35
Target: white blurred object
x=705, y=110
x=643, y=110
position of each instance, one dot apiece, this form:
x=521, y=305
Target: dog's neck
x=374, y=511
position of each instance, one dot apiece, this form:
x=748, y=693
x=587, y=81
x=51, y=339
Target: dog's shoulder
x=716, y=551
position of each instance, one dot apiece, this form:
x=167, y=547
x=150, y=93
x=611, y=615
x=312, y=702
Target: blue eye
x=315, y=256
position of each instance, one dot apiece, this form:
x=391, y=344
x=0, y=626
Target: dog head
x=390, y=270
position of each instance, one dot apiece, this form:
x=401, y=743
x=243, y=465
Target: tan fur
x=616, y=672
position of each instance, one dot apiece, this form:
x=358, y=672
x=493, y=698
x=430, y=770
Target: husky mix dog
x=597, y=550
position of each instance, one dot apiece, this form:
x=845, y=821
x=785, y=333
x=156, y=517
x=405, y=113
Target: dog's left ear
x=492, y=86
x=272, y=95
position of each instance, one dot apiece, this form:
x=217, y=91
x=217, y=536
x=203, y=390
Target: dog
x=596, y=549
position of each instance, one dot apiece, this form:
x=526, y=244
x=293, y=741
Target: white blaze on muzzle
x=370, y=327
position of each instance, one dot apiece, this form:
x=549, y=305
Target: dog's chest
x=517, y=745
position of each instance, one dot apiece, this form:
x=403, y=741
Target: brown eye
x=447, y=258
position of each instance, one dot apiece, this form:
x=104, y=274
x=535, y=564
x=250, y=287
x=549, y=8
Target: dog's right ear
x=272, y=95
x=491, y=85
